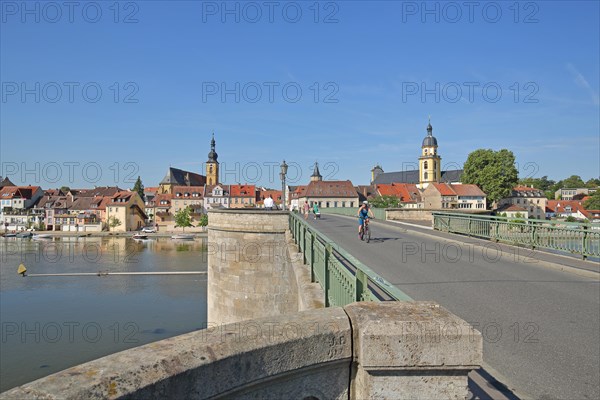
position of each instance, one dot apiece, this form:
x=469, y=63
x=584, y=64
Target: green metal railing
x=343, y=278
x=379, y=213
x=571, y=237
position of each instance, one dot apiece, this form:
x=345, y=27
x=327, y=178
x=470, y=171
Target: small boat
x=10, y=235
x=40, y=236
x=24, y=235
x=140, y=236
x=182, y=236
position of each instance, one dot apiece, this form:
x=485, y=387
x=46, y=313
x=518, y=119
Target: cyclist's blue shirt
x=364, y=213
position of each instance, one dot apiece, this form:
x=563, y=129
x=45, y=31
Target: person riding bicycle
x=363, y=215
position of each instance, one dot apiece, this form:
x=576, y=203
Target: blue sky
x=381, y=68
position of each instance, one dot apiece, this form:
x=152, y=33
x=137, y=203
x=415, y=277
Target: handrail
x=569, y=237
x=343, y=278
x=379, y=213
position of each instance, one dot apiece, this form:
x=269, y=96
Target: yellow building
x=430, y=161
x=128, y=209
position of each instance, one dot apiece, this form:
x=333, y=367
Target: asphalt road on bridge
x=541, y=326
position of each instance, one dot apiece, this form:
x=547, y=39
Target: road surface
x=540, y=325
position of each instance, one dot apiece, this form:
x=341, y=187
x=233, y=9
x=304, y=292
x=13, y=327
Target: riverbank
x=166, y=234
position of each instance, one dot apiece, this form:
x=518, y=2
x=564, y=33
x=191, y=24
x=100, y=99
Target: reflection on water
x=51, y=323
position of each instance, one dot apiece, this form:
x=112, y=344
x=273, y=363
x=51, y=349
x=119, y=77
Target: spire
x=429, y=128
x=212, y=156
x=316, y=176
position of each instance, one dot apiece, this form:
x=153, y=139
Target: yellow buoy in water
x=21, y=270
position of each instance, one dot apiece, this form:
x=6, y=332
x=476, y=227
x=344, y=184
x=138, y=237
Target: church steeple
x=212, y=156
x=430, y=161
x=212, y=165
x=316, y=176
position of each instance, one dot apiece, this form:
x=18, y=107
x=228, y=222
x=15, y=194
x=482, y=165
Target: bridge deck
x=540, y=324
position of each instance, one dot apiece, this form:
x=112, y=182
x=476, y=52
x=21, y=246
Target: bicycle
x=365, y=231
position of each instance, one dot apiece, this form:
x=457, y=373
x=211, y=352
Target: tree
x=571, y=218
x=593, y=203
x=203, y=221
x=493, y=171
x=574, y=181
x=65, y=189
x=542, y=183
x=386, y=201
x=593, y=183
x=139, y=187
x=183, y=219
x=113, y=222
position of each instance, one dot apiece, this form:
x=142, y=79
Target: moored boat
x=182, y=236
x=41, y=236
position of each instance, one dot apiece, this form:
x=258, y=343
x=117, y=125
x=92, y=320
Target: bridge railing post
x=327, y=284
x=362, y=286
x=312, y=258
x=584, y=243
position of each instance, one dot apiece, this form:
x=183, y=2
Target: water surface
x=52, y=323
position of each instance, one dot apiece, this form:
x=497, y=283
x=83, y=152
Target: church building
x=179, y=177
x=429, y=168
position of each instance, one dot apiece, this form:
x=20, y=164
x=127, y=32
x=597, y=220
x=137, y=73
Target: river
x=52, y=323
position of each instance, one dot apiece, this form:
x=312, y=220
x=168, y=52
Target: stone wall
x=250, y=273
x=387, y=350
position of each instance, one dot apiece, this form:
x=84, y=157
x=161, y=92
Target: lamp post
x=282, y=174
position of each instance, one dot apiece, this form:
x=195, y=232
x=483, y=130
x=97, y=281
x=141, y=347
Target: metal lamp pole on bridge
x=282, y=174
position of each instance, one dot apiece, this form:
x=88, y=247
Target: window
x=425, y=165
x=425, y=176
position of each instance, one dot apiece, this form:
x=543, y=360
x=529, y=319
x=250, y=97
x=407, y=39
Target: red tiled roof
x=163, y=197
x=558, y=206
x=468, y=190
x=188, y=189
x=24, y=192
x=299, y=192
x=521, y=188
x=209, y=189
x=263, y=194
x=331, y=189
x=400, y=190
x=444, y=189
x=242, y=191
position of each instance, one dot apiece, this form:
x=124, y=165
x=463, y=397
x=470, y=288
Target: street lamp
x=282, y=174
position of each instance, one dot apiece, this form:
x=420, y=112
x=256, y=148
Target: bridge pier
x=250, y=272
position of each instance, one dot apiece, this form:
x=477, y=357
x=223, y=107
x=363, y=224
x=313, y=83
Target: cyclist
x=363, y=215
